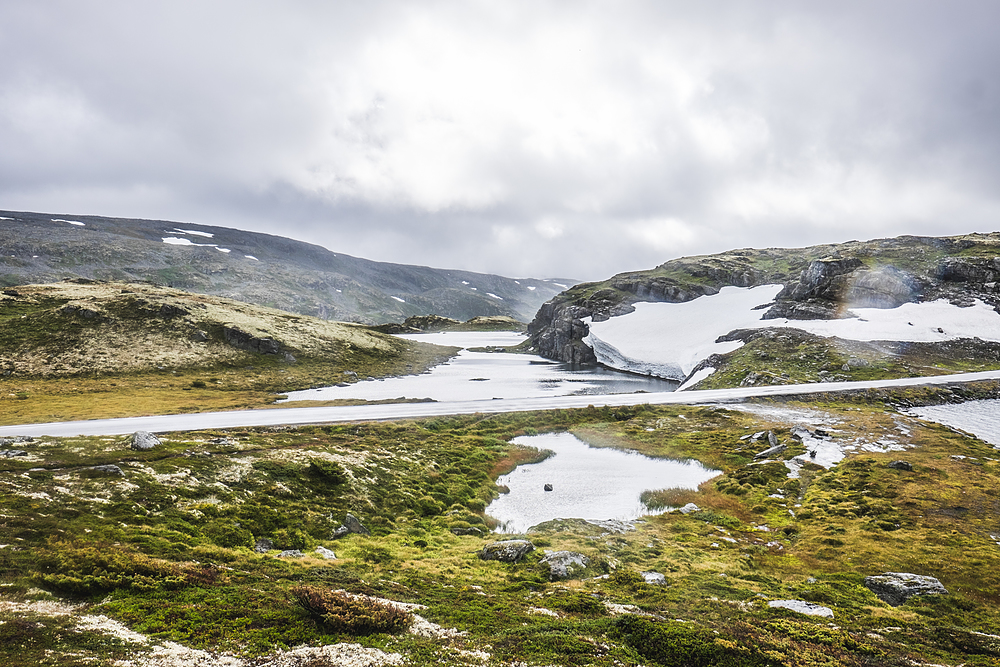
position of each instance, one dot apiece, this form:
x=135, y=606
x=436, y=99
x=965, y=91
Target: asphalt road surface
x=325, y=415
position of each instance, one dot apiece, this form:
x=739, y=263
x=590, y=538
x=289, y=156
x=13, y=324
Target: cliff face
x=820, y=282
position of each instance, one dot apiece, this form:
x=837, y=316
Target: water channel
x=587, y=483
x=472, y=376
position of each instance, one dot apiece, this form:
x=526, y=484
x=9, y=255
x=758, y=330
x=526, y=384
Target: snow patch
x=532, y=288
x=174, y=240
x=222, y=249
x=251, y=257
x=72, y=222
x=560, y=285
x=3, y=218
x=698, y=376
x=397, y=299
x=669, y=339
x=494, y=296
x=194, y=232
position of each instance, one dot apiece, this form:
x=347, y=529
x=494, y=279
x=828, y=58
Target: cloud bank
x=524, y=138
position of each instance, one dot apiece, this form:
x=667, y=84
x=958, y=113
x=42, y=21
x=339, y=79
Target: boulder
x=109, y=469
x=654, y=578
x=291, y=553
x=263, y=545
x=802, y=607
x=689, y=508
x=326, y=553
x=7, y=453
x=770, y=451
x=900, y=465
x=353, y=525
x=341, y=531
x=472, y=530
x=547, y=487
x=895, y=588
x=142, y=440
x=564, y=564
x=507, y=551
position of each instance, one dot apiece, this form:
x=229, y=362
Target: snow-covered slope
x=670, y=339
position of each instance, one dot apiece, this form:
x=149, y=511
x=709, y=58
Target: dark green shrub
x=681, y=644
x=292, y=538
x=229, y=535
x=355, y=615
x=328, y=471
x=579, y=603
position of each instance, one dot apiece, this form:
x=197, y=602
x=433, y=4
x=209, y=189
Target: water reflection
x=487, y=375
x=587, y=483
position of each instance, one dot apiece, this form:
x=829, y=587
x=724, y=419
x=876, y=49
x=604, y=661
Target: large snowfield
x=670, y=339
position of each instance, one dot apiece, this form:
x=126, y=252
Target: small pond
x=587, y=483
x=472, y=376
x=976, y=417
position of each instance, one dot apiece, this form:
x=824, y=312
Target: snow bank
x=670, y=339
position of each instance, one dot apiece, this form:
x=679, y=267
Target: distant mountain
x=804, y=328
x=256, y=268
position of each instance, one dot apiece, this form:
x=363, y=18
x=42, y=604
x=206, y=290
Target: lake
x=587, y=483
x=472, y=376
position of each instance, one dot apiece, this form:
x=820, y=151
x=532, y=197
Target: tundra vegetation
x=163, y=544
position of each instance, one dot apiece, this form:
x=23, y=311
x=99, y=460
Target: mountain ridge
x=258, y=268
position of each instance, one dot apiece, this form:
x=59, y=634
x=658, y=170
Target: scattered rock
x=689, y=508
x=341, y=531
x=244, y=341
x=772, y=439
x=900, y=465
x=199, y=336
x=654, y=578
x=263, y=545
x=326, y=553
x=895, y=588
x=291, y=553
x=109, y=469
x=564, y=564
x=8, y=453
x=802, y=607
x=771, y=451
x=467, y=531
x=353, y=525
x=547, y=487
x=143, y=440
x=507, y=551
x=16, y=440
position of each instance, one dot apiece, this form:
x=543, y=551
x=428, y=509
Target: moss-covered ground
x=166, y=548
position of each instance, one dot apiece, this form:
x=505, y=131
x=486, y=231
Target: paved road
x=295, y=416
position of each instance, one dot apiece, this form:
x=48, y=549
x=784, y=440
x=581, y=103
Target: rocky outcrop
x=351, y=525
x=819, y=282
x=507, y=551
x=802, y=607
x=895, y=588
x=241, y=340
x=564, y=564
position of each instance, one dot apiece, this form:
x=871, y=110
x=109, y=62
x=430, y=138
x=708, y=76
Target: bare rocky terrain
x=257, y=268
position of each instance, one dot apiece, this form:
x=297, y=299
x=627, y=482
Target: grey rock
x=109, y=469
x=244, y=341
x=564, y=564
x=16, y=440
x=143, y=440
x=654, y=578
x=771, y=451
x=772, y=439
x=802, y=607
x=355, y=526
x=472, y=530
x=507, y=551
x=199, y=336
x=263, y=545
x=326, y=553
x=341, y=531
x=291, y=553
x=689, y=508
x=900, y=465
x=547, y=487
x=895, y=588
x=8, y=453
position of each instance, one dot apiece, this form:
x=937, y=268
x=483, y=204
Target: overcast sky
x=543, y=139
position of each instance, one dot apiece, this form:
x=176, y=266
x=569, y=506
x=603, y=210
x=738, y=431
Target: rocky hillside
x=819, y=283
x=257, y=268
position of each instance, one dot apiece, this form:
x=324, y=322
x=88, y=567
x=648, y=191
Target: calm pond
x=587, y=483
x=472, y=376
x=976, y=417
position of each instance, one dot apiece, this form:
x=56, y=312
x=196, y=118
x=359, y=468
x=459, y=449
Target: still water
x=472, y=376
x=976, y=417
x=587, y=483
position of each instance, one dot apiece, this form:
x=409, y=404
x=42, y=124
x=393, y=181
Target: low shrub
x=674, y=643
x=356, y=615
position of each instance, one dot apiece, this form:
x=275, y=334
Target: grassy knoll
x=166, y=548
x=90, y=350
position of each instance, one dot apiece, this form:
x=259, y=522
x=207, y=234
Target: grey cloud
x=544, y=139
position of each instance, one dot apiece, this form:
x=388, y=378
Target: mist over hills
x=257, y=268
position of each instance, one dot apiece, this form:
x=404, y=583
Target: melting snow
x=72, y=222
x=531, y=287
x=465, y=282
x=174, y=240
x=698, y=376
x=670, y=339
x=494, y=296
x=3, y=218
x=251, y=257
x=559, y=285
x=397, y=299
x=193, y=232
x=222, y=249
